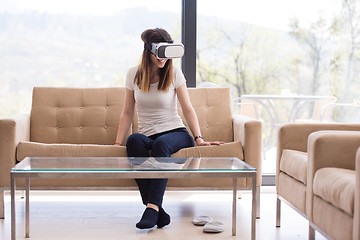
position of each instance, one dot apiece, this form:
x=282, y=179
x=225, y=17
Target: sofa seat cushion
x=233, y=149
x=34, y=149
x=294, y=163
x=336, y=186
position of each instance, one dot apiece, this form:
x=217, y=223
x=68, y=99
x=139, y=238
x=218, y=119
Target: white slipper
x=201, y=220
x=213, y=227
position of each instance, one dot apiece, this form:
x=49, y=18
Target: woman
x=154, y=86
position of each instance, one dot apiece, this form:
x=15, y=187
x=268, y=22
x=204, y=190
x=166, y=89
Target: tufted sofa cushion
x=336, y=186
x=77, y=116
x=91, y=115
x=213, y=109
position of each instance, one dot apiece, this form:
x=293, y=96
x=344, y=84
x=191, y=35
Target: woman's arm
x=126, y=117
x=190, y=115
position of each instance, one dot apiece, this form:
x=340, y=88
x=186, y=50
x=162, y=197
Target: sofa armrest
x=248, y=132
x=12, y=131
x=329, y=149
x=294, y=136
x=356, y=226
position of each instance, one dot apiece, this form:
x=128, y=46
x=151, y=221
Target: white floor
x=113, y=214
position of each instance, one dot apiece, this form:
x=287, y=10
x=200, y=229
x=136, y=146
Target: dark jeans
x=161, y=145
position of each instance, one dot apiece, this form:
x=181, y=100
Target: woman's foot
x=164, y=218
x=149, y=219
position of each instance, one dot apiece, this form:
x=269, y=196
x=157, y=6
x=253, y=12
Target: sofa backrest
x=91, y=115
x=213, y=109
x=75, y=115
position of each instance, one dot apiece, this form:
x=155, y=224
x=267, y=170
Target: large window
x=264, y=47
x=67, y=43
x=261, y=46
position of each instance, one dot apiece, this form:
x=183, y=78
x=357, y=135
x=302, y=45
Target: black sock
x=164, y=218
x=148, y=219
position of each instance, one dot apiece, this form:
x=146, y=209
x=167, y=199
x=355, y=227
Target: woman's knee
x=134, y=139
x=138, y=145
x=160, y=148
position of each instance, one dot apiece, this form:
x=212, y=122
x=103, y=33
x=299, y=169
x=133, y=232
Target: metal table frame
x=131, y=174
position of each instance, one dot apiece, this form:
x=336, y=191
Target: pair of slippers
x=210, y=226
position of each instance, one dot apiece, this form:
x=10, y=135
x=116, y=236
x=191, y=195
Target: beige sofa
x=298, y=159
x=83, y=122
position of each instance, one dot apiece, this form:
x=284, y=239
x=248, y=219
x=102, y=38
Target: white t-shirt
x=157, y=109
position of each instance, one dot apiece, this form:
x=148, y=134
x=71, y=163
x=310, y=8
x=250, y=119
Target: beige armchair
x=356, y=226
x=333, y=188
x=292, y=173
x=82, y=122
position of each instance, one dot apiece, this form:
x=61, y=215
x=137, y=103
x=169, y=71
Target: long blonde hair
x=142, y=76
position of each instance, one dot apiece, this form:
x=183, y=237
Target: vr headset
x=166, y=49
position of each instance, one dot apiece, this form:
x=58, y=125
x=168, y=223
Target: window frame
x=188, y=38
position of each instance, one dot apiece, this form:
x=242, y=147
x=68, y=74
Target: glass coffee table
x=124, y=167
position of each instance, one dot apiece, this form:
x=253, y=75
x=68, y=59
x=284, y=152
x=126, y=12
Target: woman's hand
x=203, y=143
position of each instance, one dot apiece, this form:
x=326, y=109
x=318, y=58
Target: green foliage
x=321, y=58
x=248, y=58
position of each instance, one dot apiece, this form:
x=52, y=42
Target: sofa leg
x=2, y=203
x=258, y=202
x=311, y=232
x=278, y=211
